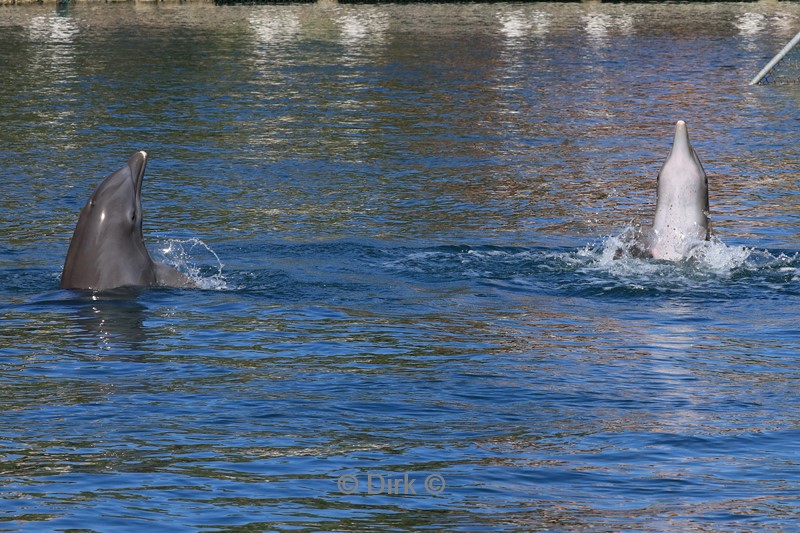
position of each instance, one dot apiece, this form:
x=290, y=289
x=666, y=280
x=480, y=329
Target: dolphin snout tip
x=681, y=133
x=137, y=161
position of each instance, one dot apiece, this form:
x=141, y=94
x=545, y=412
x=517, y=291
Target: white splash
x=618, y=256
x=186, y=255
x=716, y=256
x=710, y=255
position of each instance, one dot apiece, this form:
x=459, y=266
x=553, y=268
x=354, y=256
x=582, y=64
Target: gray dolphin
x=107, y=248
x=681, y=219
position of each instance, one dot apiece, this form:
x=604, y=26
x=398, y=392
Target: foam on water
x=713, y=264
x=611, y=266
x=710, y=256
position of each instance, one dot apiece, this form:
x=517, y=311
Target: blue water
x=403, y=221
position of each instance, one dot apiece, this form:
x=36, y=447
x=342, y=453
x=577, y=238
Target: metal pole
x=776, y=59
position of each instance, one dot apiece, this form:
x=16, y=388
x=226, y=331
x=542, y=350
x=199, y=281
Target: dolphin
x=681, y=219
x=107, y=248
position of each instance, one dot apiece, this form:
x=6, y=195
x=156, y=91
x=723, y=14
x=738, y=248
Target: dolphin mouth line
x=141, y=159
x=138, y=164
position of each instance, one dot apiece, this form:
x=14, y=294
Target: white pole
x=775, y=59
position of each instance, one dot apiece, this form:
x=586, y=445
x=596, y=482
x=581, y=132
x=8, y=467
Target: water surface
x=403, y=221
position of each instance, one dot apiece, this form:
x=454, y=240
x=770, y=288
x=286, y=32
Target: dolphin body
x=107, y=248
x=681, y=219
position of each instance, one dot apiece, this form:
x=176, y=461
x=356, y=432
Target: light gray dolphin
x=107, y=248
x=681, y=219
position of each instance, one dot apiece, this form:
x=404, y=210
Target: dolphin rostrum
x=681, y=219
x=107, y=248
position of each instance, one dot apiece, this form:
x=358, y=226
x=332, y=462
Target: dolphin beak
x=137, y=163
x=681, y=142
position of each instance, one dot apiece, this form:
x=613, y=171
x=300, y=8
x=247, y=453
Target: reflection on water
x=275, y=28
x=750, y=24
x=364, y=29
x=533, y=103
x=53, y=72
x=115, y=324
x=403, y=219
x=53, y=30
x=599, y=25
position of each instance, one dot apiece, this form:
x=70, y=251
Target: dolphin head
x=107, y=248
x=681, y=217
x=116, y=205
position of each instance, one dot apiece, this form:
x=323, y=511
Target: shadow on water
x=107, y=325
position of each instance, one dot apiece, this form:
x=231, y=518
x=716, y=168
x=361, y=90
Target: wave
x=608, y=267
x=713, y=269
